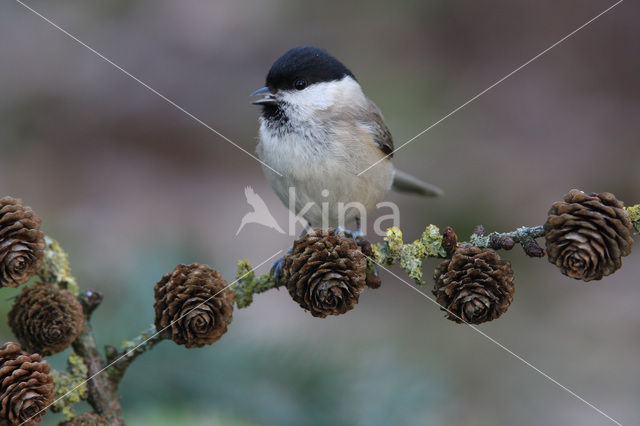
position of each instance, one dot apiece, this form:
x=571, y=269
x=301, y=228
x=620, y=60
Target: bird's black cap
x=308, y=63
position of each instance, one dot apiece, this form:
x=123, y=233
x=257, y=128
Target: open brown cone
x=193, y=305
x=46, y=319
x=21, y=243
x=587, y=235
x=474, y=286
x=325, y=273
x=26, y=387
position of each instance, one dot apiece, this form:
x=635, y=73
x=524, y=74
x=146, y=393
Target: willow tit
x=319, y=132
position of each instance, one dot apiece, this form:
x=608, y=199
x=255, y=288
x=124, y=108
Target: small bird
x=319, y=132
x=260, y=214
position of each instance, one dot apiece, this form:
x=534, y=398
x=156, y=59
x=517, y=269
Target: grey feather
x=404, y=182
x=381, y=134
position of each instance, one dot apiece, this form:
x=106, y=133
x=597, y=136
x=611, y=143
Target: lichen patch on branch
x=247, y=284
x=634, y=216
x=55, y=268
x=409, y=255
x=70, y=386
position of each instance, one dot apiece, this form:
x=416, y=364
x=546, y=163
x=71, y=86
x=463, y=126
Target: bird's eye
x=300, y=84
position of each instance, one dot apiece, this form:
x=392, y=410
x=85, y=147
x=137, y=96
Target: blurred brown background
x=131, y=187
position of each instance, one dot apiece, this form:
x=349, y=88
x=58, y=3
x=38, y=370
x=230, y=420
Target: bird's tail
x=404, y=182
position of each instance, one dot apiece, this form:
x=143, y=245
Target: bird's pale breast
x=321, y=172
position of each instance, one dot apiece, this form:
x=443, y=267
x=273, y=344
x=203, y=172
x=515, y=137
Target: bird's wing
x=380, y=132
x=402, y=182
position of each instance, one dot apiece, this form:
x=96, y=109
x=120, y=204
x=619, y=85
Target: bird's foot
x=276, y=271
x=277, y=267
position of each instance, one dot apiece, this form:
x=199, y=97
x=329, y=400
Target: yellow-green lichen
x=55, y=268
x=410, y=255
x=431, y=243
x=411, y=261
x=634, y=216
x=247, y=284
x=76, y=364
x=245, y=270
x=394, y=239
x=70, y=386
x=377, y=253
x=388, y=253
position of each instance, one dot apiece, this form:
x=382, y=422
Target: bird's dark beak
x=268, y=99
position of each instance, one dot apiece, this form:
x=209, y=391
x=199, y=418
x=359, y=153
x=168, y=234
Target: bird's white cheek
x=309, y=101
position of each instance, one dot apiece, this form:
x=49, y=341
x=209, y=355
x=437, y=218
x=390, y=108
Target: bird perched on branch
x=319, y=135
x=319, y=132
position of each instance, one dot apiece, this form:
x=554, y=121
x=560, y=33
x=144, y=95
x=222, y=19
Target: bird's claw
x=276, y=271
x=277, y=268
